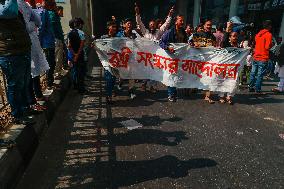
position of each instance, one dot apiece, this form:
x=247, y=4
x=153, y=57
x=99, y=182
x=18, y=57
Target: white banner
x=203, y=68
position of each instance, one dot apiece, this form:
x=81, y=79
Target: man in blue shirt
x=47, y=40
x=15, y=58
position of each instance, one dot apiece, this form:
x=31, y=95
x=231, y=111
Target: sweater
x=263, y=43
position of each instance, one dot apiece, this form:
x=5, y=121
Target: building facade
x=96, y=12
x=250, y=11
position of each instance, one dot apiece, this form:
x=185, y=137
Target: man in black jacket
x=15, y=58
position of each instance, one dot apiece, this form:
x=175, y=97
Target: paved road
x=188, y=144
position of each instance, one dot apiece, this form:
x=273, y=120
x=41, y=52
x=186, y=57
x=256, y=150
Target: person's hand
x=196, y=45
x=113, y=18
x=137, y=10
x=171, y=49
x=229, y=26
x=171, y=13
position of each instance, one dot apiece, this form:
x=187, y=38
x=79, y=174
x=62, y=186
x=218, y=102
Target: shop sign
x=255, y=6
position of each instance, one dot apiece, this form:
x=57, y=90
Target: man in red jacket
x=263, y=43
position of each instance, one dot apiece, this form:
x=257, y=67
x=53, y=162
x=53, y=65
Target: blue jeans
x=172, y=91
x=17, y=70
x=256, y=75
x=110, y=82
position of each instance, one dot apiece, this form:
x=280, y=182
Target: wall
x=82, y=9
x=67, y=15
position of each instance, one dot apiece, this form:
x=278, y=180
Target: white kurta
x=156, y=36
x=39, y=63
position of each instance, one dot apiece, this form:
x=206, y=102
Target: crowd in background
x=32, y=45
x=265, y=56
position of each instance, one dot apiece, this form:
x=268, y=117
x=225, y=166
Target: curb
x=14, y=161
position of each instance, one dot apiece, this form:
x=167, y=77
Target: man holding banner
x=153, y=34
x=127, y=32
x=174, y=35
x=205, y=38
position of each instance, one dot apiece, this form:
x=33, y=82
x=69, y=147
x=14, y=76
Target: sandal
x=209, y=100
x=109, y=100
x=275, y=90
x=230, y=101
x=143, y=87
x=153, y=90
x=222, y=100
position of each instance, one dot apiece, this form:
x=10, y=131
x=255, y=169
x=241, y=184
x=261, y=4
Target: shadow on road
x=90, y=159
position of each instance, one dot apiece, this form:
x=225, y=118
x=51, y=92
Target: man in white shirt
x=154, y=34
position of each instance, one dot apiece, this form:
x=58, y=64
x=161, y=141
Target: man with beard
x=15, y=58
x=153, y=34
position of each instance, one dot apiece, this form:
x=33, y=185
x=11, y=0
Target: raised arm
x=167, y=23
x=8, y=9
x=139, y=21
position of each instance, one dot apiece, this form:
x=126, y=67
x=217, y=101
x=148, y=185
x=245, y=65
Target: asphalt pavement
x=182, y=145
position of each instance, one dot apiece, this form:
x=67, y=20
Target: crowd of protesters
x=258, y=64
x=32, y=44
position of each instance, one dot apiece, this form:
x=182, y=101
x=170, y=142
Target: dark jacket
x=170, y=37
x=46, y=32
x=14, y=38
x=56, y=25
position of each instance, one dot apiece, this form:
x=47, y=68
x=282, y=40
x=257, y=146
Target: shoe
x=172, y=99
x=230, y=100
x=42, y=99
x=119, y=87
x=260, y=93
x=7, y=143
x=209, y=100
x=276, y=90
x=83, y=91
x=132, y=96
x=50, y=87
x=222, y=100
x=31, y=111
x=109, y=101
x=38, y=107
x=251, y=90
x=143, y=87
x=114, y=94
x=24, y=121
x=153, y=90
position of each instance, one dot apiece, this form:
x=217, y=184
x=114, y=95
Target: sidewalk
x=13, y=161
